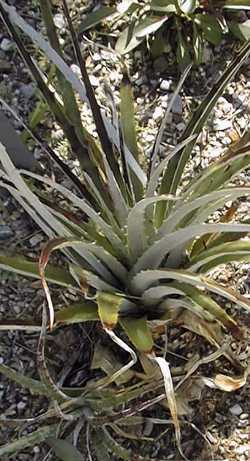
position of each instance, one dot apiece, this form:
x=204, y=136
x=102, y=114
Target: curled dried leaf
x=228, y=383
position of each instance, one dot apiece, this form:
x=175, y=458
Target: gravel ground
x=223, y=418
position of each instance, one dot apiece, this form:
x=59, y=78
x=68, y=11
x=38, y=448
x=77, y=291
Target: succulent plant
x=181, y=25
x=139, y=249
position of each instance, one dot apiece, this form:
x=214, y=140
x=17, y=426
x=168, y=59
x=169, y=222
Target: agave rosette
x=141, y=254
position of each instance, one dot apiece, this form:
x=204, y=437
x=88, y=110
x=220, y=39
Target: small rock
x=221, y=125
x=6, y=44
x=180, y=126
x=149, y=137
x=96, y=57
x=211, y=438
x=28, y=90
x=165, y=85
x=236, y=410
x=225, y=105
x=21, y=405
x=226, y=141
x=17, y=308
x=76, y=69
x=17, y=150
x=113, y=76
x=207, y=54
x=5, y=233
x=177, y=105
x=245, y=448
x=243, y=436
x=158, y=113
x=5, y=66
x=242, y=122
x=35, y=240
x=59, y=21
x=94, y=81
x=137, y=54
x=140, y=81
x=244, y=416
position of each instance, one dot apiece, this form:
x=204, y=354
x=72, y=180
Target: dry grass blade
x=125, y=368
x=194, y=366
x=42, y=265
x=170, y=394
x=46, y=379
x=21, y=325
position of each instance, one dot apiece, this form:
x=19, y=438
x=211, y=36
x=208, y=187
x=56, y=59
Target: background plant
x=183, y=25
x=139, y=251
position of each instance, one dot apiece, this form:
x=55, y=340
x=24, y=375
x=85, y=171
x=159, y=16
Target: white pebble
x=6, y=44
x=221, y=125
x=236, y=410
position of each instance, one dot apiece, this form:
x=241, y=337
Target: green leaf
x=199, y=209
x=230, y=251
x=29, y=440
x=128, y=126
x=198, y=45
x=95, y=17
x=77, y=313
x=64, y=450
x=138, y=333
x=147, y=278
x=40, y=213
x=210, y=26
x=133, y=35
x=208, y=304
x=241, y=31
x=137, y=225
x=70, y=106
x=157, y=172
x=99, y=445
x=155, y=254
x=22, y=266
x=151, y=25
x=82, y=205
x=236, y=159
x=34, y=386
x=108, y=308
x=86, y=278
x=183, y=52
